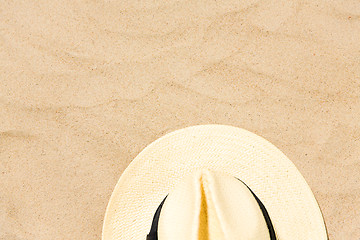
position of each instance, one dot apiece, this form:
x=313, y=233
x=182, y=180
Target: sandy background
x=86, y=85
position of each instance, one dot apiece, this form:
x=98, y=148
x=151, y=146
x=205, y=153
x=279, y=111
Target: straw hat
x=212, y=182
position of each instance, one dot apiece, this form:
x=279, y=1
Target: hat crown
x=211, y=205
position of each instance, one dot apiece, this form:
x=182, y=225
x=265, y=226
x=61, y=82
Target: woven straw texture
x=259, y=164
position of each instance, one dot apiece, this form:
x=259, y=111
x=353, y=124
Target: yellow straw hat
x=212, y=182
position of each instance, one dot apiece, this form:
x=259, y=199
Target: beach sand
x=86, y=85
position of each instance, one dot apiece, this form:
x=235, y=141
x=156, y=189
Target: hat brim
x=287, y=197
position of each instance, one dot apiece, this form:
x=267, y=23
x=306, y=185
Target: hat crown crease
x=209, y=222
x=211, y=206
